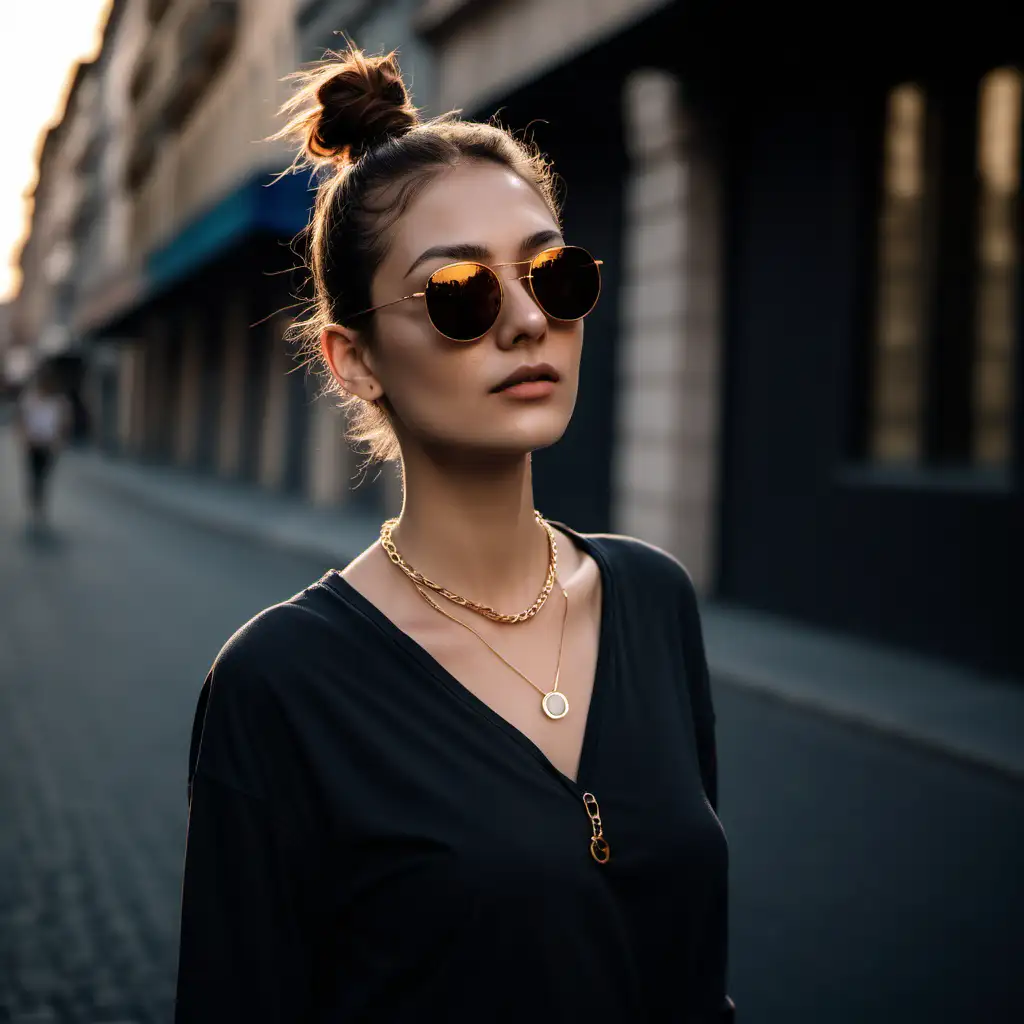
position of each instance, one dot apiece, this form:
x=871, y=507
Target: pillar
x=186, y=417
x=665, y=461
x=236, y=334
x=274, y=428
x=330, y=460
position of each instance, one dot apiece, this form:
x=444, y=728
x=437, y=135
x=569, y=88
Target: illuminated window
x=897, y=394
x=999, y=131
x=946, y=276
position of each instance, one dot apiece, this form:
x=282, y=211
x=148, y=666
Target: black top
x=370, y=842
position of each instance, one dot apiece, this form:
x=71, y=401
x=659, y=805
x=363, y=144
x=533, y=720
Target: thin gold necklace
x=417, y=577
x=554, y=704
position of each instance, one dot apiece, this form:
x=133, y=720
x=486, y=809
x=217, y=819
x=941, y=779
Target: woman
x=471, y=776
x=42, y=423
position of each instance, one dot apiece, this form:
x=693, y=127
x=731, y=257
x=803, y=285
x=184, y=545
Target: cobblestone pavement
x=106, y=631
x=870, y=881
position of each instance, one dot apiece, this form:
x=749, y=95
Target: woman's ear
x=345, y=355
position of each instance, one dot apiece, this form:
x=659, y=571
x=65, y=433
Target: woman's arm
x=244, y=954
x=245, y=950
x=67, y=422
x=703, y=711
x=18, y=423
x=699, y=684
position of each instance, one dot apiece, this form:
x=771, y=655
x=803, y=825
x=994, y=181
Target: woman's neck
x=472, y=529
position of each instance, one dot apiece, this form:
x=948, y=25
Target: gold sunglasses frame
x=501, y=290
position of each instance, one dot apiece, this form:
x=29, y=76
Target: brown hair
x=354, y=122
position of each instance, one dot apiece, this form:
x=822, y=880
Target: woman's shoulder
x=244, y=706
x=272, y=636
x=640, y=561
x=263, y=663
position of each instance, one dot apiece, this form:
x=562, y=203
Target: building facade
x=64, y=200
x=872, y=464
x=192, y=287
x=803, y=376
x=804, y=372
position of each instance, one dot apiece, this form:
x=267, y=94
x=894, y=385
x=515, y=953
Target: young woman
x=42, y=423
x=471, y=776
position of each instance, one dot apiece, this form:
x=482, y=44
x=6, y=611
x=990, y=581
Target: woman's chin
x=527, y=430
x=510, y=446
x=497, y=437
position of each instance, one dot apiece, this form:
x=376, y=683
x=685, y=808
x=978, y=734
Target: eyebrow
x=474, y=251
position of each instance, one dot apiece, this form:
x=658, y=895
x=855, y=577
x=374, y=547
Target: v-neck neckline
x=604, y=675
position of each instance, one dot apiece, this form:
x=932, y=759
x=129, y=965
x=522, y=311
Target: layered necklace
x=553, y=703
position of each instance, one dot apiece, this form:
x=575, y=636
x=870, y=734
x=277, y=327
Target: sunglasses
x=464, y=299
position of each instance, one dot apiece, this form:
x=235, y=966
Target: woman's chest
x=413, y=768
x=538, y=678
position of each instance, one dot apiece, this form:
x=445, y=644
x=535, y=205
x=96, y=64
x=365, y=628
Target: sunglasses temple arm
x=384, y=305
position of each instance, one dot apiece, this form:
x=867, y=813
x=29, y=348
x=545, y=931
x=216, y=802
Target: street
x=870, y=881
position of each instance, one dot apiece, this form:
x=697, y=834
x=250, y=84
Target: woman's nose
x=521, y=318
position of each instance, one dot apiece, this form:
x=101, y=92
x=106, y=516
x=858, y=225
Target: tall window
x=898, y=371
x=947, y=271
x=999, y=131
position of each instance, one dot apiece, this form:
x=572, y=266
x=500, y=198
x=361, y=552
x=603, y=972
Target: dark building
x=845, y=278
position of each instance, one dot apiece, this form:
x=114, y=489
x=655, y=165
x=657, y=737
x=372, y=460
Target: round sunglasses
x=464, y=299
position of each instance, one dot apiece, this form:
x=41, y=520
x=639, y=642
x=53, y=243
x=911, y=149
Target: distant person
x=471, y=776
x=42, y=422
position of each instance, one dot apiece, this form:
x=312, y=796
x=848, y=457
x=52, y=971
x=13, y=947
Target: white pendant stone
x=555, y=705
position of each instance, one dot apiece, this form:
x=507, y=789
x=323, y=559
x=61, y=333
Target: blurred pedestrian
x=405, y=804
x=42, y=423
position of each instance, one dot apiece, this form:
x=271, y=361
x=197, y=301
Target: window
x=999, y=131
x=946, y=270
x=898, y=374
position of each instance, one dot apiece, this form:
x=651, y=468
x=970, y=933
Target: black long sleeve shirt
x=369, y=841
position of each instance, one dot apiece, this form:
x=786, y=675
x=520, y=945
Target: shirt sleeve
x=243, y=952
x=699, y=681
x=699, y=684
x=245, y=947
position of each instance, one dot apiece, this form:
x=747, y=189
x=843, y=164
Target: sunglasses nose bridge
x=512, y=304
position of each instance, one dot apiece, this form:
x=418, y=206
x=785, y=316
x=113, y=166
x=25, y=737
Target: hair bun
x=357, y=103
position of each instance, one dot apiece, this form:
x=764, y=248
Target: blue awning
x=259, y=204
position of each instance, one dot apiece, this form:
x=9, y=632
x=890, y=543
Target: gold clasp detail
x=599, y=848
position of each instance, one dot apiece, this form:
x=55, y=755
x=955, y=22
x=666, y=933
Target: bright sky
x=39, y=45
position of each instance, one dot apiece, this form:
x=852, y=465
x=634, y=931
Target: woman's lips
x=529, y=389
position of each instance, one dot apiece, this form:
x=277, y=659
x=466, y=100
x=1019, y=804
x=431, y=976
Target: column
x=274, y=427
x=328, y=453
x=156, y=406
x=665, y=462
x=128, y=399
x=236, y=335
x=186, y=417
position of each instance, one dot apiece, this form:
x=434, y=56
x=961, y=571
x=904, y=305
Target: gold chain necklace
x=554, y=704
x=417, y=577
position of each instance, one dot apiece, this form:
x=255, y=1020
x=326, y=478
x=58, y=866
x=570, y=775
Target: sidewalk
x=936, y=705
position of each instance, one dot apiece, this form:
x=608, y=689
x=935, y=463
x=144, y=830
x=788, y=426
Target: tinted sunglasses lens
x=463, y=300
x=566, y=282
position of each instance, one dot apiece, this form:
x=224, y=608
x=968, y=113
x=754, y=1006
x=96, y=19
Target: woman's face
x=443, y=392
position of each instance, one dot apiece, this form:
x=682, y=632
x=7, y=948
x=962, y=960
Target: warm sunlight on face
x=39, y=46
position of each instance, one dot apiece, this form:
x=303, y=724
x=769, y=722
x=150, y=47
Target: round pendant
x=555, y=704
